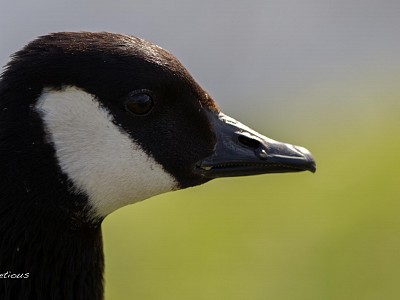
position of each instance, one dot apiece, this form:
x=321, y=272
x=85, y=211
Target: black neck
x=58, y=255
x=51, y=260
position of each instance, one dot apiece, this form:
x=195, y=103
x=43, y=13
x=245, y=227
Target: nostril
x=249, y=142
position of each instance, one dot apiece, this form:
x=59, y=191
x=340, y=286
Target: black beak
x=241, y=151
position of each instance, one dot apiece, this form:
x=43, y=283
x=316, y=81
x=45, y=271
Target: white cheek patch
x=99, y=157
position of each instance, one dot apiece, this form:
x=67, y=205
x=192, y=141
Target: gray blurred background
x=238, y=50
x=321, y=74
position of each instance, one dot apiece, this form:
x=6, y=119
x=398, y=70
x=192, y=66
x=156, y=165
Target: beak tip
x=313, y=168
x=311, y=164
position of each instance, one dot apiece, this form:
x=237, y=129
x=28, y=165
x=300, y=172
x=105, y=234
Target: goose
x=92, y=122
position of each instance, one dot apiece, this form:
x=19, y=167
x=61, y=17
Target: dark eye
x=139, y=103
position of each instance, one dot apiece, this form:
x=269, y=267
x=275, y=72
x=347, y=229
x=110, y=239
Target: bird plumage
x=77, y=142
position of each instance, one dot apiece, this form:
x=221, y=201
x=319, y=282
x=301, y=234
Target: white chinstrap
x=99, y=158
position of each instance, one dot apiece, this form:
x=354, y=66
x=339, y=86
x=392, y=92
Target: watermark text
x=11, y=275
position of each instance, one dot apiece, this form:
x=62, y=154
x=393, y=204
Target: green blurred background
x=321, y=74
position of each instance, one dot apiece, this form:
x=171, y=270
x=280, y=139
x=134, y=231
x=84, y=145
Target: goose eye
x=139, y=103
